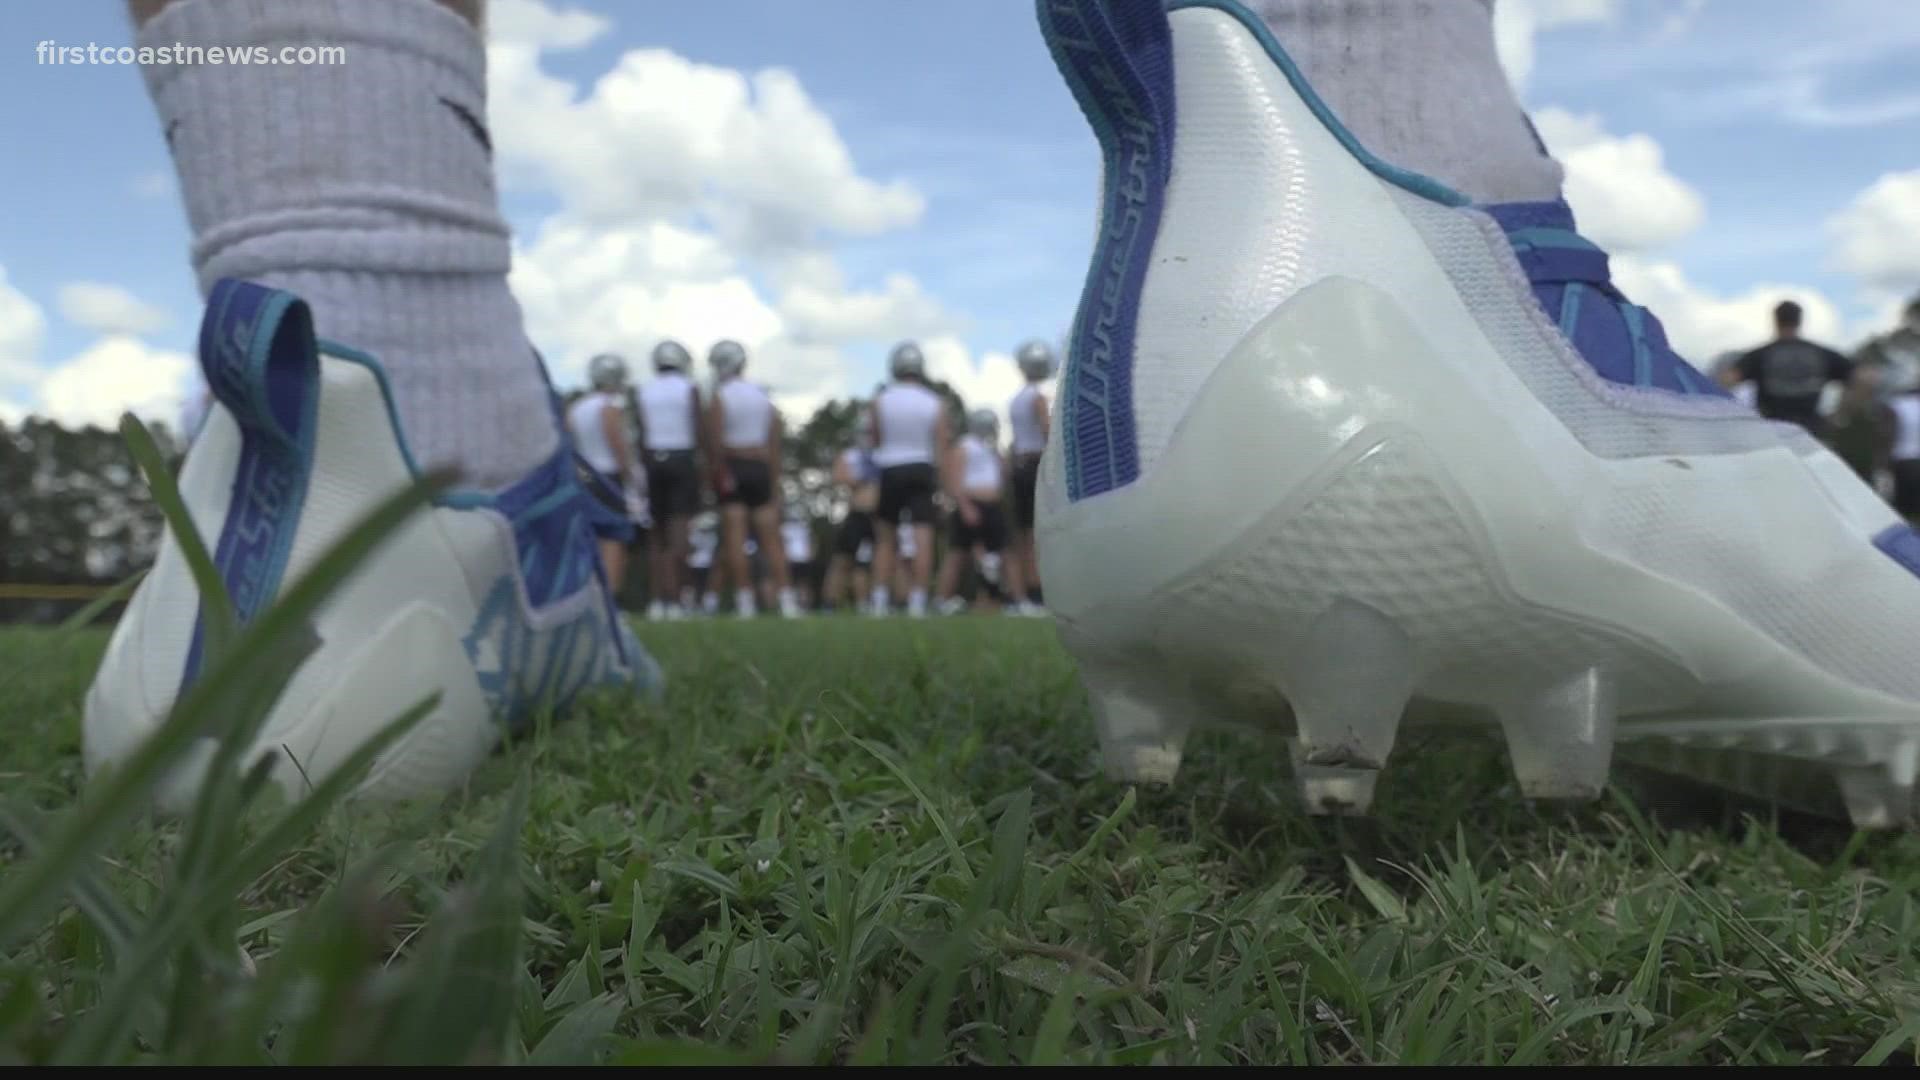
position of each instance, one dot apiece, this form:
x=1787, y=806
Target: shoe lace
x=1552, y=255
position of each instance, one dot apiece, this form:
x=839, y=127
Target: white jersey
x=908, y=415
x=1029, y=435
x=798, y=540
x=981, y=474
x=586, y=419
x=747, y=414
x=1906, y=434
x=666, y=412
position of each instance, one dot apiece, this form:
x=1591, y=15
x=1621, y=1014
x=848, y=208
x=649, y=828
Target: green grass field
x=849, y=840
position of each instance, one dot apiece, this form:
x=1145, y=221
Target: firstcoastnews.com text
x=52, y=52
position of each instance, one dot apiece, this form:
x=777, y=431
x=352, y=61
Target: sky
x=820, y=179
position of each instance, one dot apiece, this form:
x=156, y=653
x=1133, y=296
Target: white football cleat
x=494, y=600
x=1334, y=448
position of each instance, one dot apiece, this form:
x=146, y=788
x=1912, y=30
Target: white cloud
x=1804, y=97
x=663, y=137
x=524, y=22
x=1702, y=324
x=116, y=374
x=108, y=309
x=1877, y=235
x=697, y=203
x=1517, y=22
x=1679, y=20
x=22, y=329
x=825, y=310
x=1618, y=185
x=154, y=184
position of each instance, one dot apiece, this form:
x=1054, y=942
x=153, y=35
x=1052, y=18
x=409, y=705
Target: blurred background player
x=900, y=581
x=670, y=433
x=1791, y=373
x=748, y=431
x=598, y=421
x=796, y=535
x=702, y=589
x=909, y=430
x=1027, y=414
x=975, y=478
x=848, y=571
x=1861, y=427
x=1904, y=453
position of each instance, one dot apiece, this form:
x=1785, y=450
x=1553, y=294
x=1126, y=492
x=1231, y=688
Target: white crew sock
x=743, y=602
x=917, y=602
x=881, y=600
x=1419, y=83
x=367, y=188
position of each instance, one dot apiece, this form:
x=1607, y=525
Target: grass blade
x=217, y=620
x=107, y=805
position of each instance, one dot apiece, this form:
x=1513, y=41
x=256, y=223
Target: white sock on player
x=366, y=188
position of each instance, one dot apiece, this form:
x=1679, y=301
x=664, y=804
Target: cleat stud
x=1348, y=684
x=1561, y=740
x=1333, y=790
x=1141, y=738
x=1873, y=800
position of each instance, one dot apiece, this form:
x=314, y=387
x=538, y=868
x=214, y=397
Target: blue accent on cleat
x=1118, y=60
x=1573, y=284
x=258, y=355
x=1901, y=544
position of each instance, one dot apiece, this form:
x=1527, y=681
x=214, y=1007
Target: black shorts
x=990, y=534
x=1026, y=480
x=855, y=535
x=906, y=491
x=1906, y=487
x=673, y=486
x=752, y=483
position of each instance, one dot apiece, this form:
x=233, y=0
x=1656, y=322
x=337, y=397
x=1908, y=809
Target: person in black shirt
x=1789, y=372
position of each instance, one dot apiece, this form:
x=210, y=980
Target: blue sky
x=1744, y=138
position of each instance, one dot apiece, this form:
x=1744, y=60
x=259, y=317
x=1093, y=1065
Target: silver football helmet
x=984, y=423
x=727, y=358
x=671, y=356
x=1035, y=359
x=607, y=372
x=906, y=361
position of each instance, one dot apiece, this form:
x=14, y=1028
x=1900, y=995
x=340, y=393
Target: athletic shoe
x=657, y=612
x=494, y=600
x=1335, y=447
x=952, y=605
x=1027, y=609
x=790, y=605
